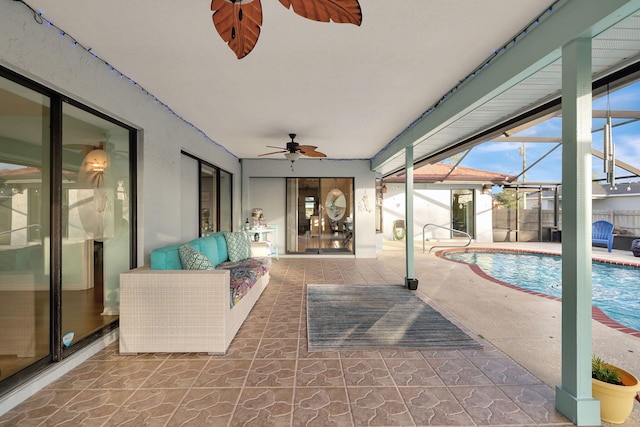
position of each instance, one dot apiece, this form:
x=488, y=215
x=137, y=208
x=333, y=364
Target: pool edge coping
x=596, y=313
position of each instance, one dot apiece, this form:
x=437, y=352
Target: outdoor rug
x=342, y=317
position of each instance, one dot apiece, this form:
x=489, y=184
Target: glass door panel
x=96, y=217
x=24, y=227
x=225, y=208
x=463, y=212
x=208, y=196
x=320, y=215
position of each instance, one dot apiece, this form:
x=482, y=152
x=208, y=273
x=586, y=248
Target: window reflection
x=24, y=227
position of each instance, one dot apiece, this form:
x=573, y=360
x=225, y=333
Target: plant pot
x=616, y=401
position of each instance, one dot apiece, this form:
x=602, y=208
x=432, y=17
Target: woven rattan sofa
x=166, y=308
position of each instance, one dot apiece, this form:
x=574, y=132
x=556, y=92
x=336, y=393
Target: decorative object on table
x=238, y=22
x=256, y=213
x=615, y=388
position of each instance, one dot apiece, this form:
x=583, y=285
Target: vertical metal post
x=410, y=281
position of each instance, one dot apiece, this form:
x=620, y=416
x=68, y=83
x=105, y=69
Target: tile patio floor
x=268, y=378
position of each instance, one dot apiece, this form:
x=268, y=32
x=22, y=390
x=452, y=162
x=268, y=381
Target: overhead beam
x=540, y=47
x=619, y=163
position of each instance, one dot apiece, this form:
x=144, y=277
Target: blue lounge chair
x=602, y=233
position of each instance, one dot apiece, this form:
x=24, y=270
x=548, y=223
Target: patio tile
x=504, y=371
x=322, y=407
x=458, y=372
x=91, y=407
x=320, y=373
x=489, y=405
x=366, y=373
x=412, y=373
x=378, y=406
x=434, y=406
x=272, y=373
x=223, y=373
x=148, y=408
x=264, y=407
x=206, y=406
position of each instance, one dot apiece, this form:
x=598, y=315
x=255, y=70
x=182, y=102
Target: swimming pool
x=616, y=288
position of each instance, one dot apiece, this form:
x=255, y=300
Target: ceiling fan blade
x=279, y=148
x=275, y=152
x=238, y=25
x=310, y=151
x=340, y=11
x=314, y=154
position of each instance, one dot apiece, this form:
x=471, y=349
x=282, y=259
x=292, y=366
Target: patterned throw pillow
x=193, y=260
x=238, y=245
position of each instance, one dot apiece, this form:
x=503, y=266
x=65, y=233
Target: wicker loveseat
x=167, y=308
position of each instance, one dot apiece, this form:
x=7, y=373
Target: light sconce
x=94, y=166
x=97, y=161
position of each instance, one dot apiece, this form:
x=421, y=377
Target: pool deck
x=526, y=327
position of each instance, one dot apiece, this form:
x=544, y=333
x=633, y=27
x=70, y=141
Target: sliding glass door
x=320, y=216
x=66, y=225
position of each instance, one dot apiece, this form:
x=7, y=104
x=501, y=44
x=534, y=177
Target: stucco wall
x=432, y=205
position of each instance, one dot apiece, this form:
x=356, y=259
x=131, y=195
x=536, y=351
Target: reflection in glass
x=96, y=236
x=208, y=196
x=320, y=215
x=24, y=227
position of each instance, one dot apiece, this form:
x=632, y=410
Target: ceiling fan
x=239, y=21
x=293, y=150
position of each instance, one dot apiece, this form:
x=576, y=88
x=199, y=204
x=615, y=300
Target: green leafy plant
x=604, y=372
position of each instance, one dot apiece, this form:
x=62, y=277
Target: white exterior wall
x=432, y=205
x=39, y=53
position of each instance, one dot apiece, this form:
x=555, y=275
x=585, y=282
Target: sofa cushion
x=213, y=246
x=193, y=260
x=238, y=245
x=261, y=265
x=166, y=258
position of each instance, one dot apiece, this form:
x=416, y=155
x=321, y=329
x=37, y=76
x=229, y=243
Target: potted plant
x=615, y=388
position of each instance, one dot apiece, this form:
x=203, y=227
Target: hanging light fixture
x=292, y=157
x=609, y=148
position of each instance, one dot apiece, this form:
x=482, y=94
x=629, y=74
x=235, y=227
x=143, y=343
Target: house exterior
x=444, y=195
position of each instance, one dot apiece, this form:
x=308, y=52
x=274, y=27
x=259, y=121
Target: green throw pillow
x=193, y=260
x=238, y=245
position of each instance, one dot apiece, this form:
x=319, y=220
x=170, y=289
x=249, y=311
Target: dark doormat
x=373, y=317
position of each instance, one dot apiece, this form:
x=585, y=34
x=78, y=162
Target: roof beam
x=569, y=20
x=620, y=164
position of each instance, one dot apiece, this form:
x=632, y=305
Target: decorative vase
x=616, y=401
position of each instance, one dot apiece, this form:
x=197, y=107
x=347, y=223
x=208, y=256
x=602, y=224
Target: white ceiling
x=348, y=90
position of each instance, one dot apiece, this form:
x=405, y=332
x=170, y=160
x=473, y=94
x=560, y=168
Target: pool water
x=616, y=288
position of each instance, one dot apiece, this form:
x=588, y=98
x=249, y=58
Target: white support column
x=573, y=396
x=410, y=281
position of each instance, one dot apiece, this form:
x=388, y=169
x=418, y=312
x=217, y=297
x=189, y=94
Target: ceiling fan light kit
x=238, y=22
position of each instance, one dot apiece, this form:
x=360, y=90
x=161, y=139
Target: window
x=209, y=200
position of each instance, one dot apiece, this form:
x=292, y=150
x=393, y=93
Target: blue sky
x=505, y=157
